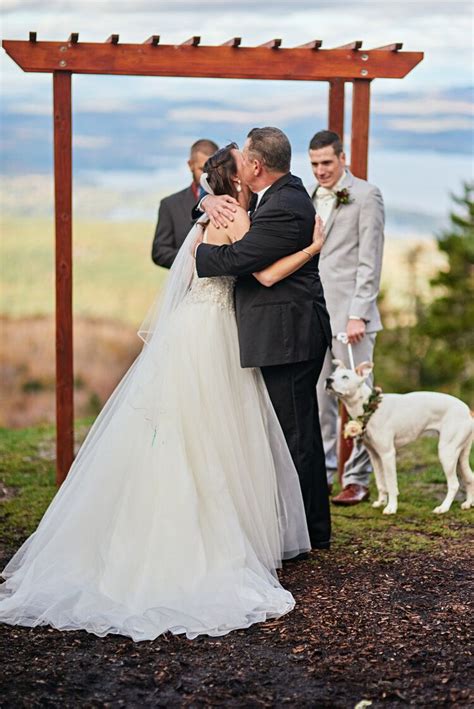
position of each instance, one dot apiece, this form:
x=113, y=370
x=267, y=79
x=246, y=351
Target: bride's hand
x=319, y=235
x=220, y=209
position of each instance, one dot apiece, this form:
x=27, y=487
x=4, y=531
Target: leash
x=342, y=337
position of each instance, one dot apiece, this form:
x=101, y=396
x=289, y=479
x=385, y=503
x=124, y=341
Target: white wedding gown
x=177, y=526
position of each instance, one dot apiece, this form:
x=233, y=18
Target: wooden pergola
x=269, y=61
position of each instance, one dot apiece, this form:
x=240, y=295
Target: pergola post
x=360, y=127
x=63, y=221
x=336, y=107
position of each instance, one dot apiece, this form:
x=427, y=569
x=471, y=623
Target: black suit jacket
x=174, y=223
x=282, y=324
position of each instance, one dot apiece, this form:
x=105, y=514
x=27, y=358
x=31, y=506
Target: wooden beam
x=73, y=38
x=360, y=128
x=192, y=41
x=63, y=219
x=234, y=42
x=336, y=107
x=388, y=47
x=113, y=39
x=272, y=44
x=352, y=45
x=296, y=64
x=154, y=40
x=314, y=44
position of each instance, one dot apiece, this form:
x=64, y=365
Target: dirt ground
x=395, y=633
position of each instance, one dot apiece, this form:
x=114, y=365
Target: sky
x=417, y=122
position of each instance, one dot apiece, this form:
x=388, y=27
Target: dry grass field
x=115, y=282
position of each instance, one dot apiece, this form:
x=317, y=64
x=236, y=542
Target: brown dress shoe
x=351, y=495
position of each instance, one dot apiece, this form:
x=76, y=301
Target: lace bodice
x=218, y=290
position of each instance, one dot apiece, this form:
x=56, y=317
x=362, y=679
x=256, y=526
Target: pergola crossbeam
x=234, y=42
x=354, y=46
x=194, y=60
x=272, y=44
x=314, y=44
x=154, y=40
x=192, y=42
x=395, y=47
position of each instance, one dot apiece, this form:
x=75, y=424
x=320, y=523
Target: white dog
x=401, y=419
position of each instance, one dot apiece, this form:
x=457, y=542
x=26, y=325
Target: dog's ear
x=338, y=363
x=364, y=369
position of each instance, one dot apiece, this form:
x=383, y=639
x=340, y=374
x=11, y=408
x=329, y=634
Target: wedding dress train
x=176, y=520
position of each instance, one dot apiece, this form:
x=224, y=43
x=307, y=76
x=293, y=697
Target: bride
x=183, y=499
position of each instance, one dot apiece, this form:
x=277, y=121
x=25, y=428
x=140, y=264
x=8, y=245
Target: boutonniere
x=343, y=197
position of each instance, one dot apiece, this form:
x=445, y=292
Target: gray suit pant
x=358, y=468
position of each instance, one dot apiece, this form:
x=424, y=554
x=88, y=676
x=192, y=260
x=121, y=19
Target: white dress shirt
x=325, y=198
x=260, y=195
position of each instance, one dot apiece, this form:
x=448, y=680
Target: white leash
x=342, y=337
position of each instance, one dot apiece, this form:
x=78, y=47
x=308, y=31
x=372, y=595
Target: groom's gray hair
x=271, y=147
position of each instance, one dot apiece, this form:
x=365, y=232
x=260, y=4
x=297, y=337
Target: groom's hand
x=220, y=209
x=355, y=330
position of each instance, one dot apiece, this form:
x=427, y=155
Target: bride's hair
x=221, y=168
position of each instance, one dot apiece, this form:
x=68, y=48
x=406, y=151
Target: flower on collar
x=343, y=197
x=355, y=428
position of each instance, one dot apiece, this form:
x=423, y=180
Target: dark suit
x=174, y=223
x=284, y=330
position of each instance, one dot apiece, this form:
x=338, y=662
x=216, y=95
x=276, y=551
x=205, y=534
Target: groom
x=284, y=329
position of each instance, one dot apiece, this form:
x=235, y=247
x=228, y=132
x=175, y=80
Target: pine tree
x=447, y=323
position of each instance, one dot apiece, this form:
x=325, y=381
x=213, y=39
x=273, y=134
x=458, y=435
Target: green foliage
x=448, y=321
x=436, y=352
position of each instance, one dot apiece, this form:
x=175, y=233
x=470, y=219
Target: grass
x=27, y=471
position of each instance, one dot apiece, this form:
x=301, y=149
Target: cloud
x=91, y=142
x=260, y=114
x=431, y=125
x=428, y=106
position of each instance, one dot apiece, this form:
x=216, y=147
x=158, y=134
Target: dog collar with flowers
x=355, y=427
x=343, y=197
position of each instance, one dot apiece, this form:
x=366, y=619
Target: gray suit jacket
x=350, y=263
x=173, y=226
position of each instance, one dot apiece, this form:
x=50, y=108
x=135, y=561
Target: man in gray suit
x=350, y=265
x=174, y=215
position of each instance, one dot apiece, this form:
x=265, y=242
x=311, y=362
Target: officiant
x=174, y=214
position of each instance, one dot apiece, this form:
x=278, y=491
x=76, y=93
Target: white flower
x=352, y=429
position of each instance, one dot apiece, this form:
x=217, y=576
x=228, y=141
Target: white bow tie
x=325, y=193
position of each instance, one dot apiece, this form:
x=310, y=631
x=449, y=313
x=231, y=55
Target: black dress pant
x=292, y=390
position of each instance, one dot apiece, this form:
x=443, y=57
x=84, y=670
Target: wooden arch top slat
x=314, y=44
x=234, y=42
x=395, y=47
x=154, y=40
x=351, y=45
x=272, y=44
x=192, y=59
x=192, y=41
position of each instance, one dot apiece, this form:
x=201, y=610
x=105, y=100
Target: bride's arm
x=289, y=264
